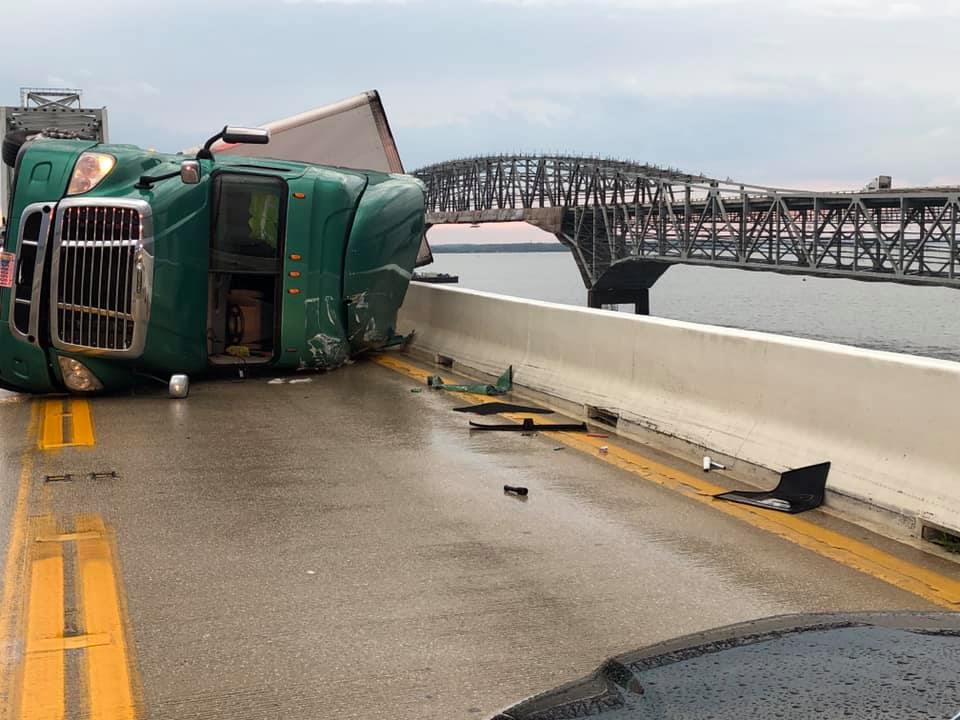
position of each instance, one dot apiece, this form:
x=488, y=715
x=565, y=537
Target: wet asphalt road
x=342, y=548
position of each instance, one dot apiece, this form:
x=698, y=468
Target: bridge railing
x=503, y=182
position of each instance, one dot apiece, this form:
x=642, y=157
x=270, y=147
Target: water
x=881, y=316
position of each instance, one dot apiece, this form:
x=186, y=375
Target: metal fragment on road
x=66, y=477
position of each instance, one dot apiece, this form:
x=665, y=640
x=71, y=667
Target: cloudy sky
x=815, y=93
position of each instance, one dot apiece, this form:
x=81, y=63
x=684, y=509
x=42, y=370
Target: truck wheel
x=12, y=143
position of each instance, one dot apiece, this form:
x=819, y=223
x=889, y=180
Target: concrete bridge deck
x=342, y=547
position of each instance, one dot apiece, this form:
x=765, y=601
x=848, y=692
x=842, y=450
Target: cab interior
x=246, y=261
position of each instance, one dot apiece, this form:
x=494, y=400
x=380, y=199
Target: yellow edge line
x=13, y=561
x=42, y=682
x=927, y=584
x=51, y=424
x=52, y=434
x=107, y=668
x=82, y=418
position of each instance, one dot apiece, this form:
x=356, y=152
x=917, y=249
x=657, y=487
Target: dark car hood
x=877, y=665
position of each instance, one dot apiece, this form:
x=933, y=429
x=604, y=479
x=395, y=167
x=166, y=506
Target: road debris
x=528, y=425
x=799, y=490
x=515, y=490
x=494, y=408
x=709, y=464
x=67, y=477
x=503, y=385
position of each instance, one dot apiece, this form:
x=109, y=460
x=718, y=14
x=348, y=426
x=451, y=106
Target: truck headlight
x=91, y=168
x=77, y=377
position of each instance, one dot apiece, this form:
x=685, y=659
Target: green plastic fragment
x=396, y=340
x=504, y=385
x=415, y=390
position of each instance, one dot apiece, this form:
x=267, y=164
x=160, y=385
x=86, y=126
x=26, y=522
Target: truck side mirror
x=190, y=172
x=248, y=136
x=232, y=134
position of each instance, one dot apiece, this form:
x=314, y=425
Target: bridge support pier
x=626, y=281
x=640, y=298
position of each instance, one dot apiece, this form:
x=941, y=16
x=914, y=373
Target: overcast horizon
x=803, y=93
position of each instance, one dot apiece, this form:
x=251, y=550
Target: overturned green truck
x=123, y=266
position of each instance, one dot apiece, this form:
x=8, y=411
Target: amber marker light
x=299, y=195
x=294, y=273
x=294, y=256
x=294, y=291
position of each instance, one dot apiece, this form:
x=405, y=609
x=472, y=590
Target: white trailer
x=351, y=133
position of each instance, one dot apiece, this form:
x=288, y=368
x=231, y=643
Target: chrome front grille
x=31, y=253
x=101, y=273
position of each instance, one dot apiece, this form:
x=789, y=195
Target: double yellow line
x=905, y=575
x=106, y=670
x=66, y=422
x=55, y=559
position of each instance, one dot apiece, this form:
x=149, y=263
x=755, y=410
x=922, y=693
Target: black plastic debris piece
x=515, y=490
x=529, y=425
x=493, y=408
x=798, y=490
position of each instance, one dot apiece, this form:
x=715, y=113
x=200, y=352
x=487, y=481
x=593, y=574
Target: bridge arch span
x=609, y=211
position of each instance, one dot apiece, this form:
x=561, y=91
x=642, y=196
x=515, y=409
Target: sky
x=798, y=93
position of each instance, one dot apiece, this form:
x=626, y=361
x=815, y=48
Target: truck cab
x=123, y=264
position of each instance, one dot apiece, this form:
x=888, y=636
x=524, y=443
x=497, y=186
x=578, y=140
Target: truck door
x=246, y=247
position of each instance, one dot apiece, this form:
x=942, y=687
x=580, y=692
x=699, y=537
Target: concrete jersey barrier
x=887, y=422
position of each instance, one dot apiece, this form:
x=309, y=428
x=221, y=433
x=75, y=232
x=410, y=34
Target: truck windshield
x=247, y=223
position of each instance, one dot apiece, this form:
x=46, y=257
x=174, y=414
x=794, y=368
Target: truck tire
x=12, y=142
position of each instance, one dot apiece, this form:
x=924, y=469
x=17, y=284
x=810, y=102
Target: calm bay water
x=882, y=316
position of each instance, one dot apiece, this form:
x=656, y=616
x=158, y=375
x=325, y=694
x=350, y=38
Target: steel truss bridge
x=626, y=223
